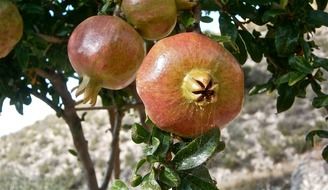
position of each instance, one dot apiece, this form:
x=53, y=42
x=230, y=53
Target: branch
x=51, y=39
x=122, y=109
x=197, y=14
x=116, y=126
x=57, y=109
x=74, y=122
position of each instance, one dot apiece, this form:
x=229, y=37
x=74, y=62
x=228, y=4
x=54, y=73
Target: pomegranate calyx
x=200, y=87
x=90, y=88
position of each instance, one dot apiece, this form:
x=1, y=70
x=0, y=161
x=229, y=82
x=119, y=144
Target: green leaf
x=320, y=62
x=286, y=98
x=169, y=177
x=320, y=101
x=259, y=89
x=325, y=154
x=320, y=133
x=227, y=26
x=149, y=182
x=271, y=14
x=197, y=179
x=252, y=46
x=317, y=18
x=300, y=64
x=238, y=50
x=187, y=19
x=136, y=180
x=295, y=77
x=139, y=165
x=206, y=19
x=139, y=134
x=72, y=152
x=2, y=99
x=286, y=39
x=119, y=185
x=283, y=3
x=165, y=142
x=151, y=149
x=198, y=151
x=322, y=4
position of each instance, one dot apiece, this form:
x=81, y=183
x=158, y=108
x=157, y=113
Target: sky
x=11, y=121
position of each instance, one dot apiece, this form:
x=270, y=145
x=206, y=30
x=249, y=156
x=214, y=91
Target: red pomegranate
x=11, y=27
x=106, y=52
x=154, y=19
x=190, y=84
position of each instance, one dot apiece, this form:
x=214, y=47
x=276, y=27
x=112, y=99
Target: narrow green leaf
x=149, y=182
x=286, y=39
x=139, y=165
x=317, y=18
x=227, y=26
x=169, y=177
x=259, y=89
x=320, y=62
x=119, y=185
x=320, y=101
x=300, y=64
x=165, y=141
x=2, y=99
x=322, y=4
x=136, y=180
x=197, y=179
x=198, y=151
x=320, y=133
x=271, y=14
x=295, y=77
x=283, y=3
x=151, y=148
x=325, y=154
x=252, y=46
x=139, y=134
x=73, y=152
x=285, y=99
x=206, y=19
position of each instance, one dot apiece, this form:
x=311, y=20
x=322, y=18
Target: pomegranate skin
x=171, y=78
x=106, y=51
x=11, y=27
x=154, y=19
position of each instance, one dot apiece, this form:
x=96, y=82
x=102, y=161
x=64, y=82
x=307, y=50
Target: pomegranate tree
x=106, y=52
x=154, y=19
x=11, y=27
x=190, y=84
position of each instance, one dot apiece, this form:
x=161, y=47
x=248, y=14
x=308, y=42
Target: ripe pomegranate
x=185, y=4
x=11, y=27
x=154, y=19
x=106, y=51
x=190, y=84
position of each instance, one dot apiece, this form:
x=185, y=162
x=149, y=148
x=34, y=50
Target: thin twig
x=116, y=120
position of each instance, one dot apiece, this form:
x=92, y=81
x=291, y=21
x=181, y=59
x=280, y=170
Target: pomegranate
x=154, y=19
x=185, y=4
x=106, y=52
x=190, y=84
x=11, y=27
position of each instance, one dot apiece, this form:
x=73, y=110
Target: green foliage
x=173, y=162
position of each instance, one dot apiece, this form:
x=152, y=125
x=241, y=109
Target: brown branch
x=115, y=120
x=51, y=39
x=74, y=122
x=197, y=14
x=57, y=109
x=122, y=109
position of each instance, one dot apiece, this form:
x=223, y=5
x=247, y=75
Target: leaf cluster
x=172, y=162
